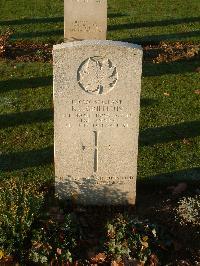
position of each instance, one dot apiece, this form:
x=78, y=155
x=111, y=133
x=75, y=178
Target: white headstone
x=85, y=20
x=97, y=100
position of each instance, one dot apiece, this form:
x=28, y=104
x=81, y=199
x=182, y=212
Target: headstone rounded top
x=97, y=43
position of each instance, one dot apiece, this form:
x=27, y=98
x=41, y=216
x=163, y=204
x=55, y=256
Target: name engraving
x=99, y=114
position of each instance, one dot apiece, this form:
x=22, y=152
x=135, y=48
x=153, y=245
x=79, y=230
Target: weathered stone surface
x=85, y=20
x=96, y=99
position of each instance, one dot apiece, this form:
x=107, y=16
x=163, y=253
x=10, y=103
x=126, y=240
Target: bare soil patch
x=27, y=51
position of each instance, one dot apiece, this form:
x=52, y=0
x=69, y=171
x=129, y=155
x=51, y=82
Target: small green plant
x=130, y=238
x=188, y=211
x=20, y=203
x=55, y=240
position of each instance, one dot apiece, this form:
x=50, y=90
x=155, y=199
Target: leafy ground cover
x=169, y=144
x=149, y=234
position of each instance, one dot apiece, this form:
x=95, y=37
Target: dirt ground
x=28, y=51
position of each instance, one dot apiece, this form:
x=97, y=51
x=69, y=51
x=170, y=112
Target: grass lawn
x=169, y=123
x=26, y=120
x=135, y=21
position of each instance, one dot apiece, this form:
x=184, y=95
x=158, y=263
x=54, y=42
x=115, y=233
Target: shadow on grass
x=183, y=66
x=189, y=175
x=160, y=23
x=144, y=102
x=154, y=39
x=142, y=40
x=17, y=84
x=15, y=119
x=29, y=35
x=25, y=159
x=47, y=20
x=149, y=69
x=165, y=134
x=31, y=21
x=42, y=115
x=116, y=15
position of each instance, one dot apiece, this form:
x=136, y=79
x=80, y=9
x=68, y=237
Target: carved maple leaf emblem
x=97, y=75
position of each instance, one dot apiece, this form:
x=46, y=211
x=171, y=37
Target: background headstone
x=96, y=99
x=85, y=20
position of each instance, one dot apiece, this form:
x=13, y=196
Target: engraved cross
x=96, y=151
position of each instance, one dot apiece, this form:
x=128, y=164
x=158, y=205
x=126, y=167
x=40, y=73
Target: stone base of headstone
x=97, y=101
